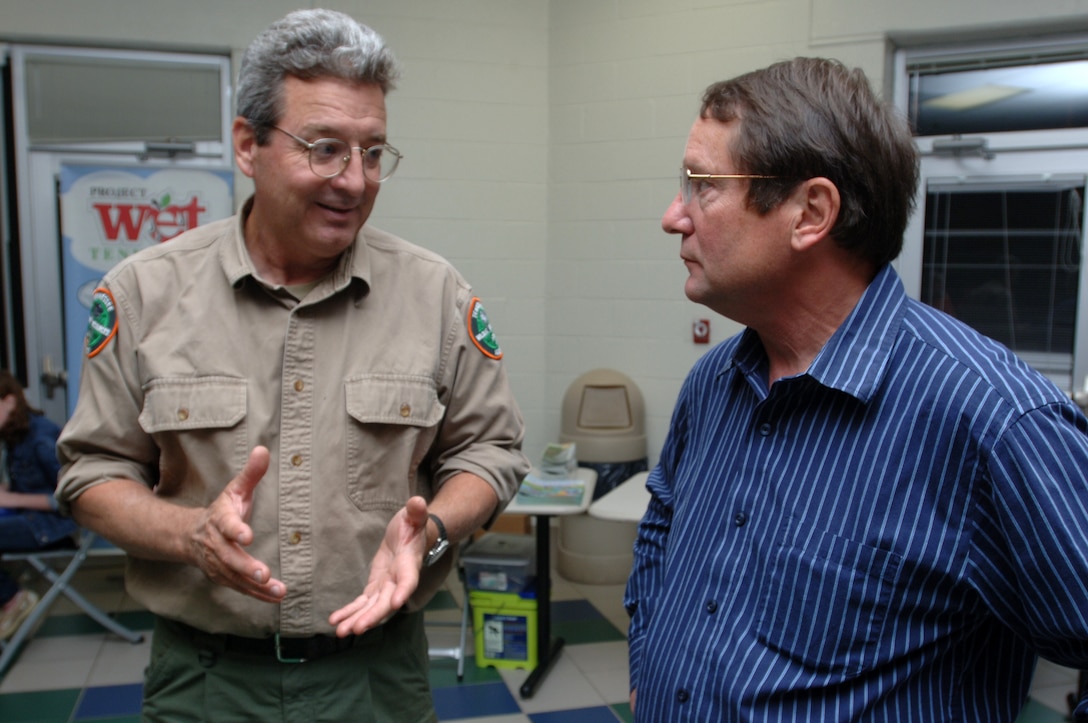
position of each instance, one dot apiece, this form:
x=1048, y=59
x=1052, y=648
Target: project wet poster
x=110, y=213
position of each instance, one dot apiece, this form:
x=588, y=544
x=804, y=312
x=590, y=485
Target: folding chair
x=47, y=562
x=456, y=653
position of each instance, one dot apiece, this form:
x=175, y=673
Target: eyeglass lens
x=330, y=156
x=685, y=186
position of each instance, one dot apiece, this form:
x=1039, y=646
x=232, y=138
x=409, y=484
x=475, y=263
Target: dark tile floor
x=72, y=671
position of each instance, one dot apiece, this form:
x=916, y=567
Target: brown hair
x=812, y=117
x=19, y=421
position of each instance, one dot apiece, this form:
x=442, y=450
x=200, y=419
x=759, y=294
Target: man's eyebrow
x=323, y=131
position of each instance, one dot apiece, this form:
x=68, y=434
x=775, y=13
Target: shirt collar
x=856, y=357
x=354, y=263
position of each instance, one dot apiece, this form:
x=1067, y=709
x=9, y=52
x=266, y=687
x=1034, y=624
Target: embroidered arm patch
x=479, y=328
x=102, y=326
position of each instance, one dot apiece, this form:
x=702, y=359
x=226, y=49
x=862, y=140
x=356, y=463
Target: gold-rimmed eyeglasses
x=330, y=156
x=687, y=180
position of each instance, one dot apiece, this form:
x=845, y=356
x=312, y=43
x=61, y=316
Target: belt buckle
x=279, y=654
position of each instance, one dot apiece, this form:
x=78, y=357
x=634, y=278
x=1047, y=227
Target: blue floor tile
x=474, y=701
x=110, y=701
x=601, y=714
x=564, y=611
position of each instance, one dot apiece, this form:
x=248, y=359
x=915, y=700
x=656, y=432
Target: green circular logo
x=102, y=325
x=483, y=336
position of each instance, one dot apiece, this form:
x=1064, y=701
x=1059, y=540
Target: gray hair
x=309, y=44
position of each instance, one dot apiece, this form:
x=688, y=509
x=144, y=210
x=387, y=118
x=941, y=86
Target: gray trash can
x=604, y=415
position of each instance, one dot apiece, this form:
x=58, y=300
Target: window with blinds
x=996, y=239
x=1004, y=256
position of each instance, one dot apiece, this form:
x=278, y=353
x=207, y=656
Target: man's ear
x=818, y=204
x=245, y=145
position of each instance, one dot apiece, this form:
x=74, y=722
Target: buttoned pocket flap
x=393, y=399
x=193, y=403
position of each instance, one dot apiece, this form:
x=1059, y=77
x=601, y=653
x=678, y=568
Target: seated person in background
x=28, y=477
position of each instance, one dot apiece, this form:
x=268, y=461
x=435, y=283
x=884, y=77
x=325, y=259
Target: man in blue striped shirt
x=864, y=510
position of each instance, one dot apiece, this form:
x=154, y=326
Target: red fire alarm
x=700, y=331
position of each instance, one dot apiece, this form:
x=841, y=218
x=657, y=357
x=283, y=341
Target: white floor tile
x=613, y=684
x=1054, y=697
x=604, y=665
x=1049, y=674
x=597, y=656
x=563, y=688
x=80, y=648
x=34, y=675
x=121, y=662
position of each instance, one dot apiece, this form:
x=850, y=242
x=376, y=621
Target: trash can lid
x=604, y=415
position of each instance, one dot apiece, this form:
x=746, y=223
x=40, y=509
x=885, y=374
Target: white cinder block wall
x=542, y=140
x=625, y=81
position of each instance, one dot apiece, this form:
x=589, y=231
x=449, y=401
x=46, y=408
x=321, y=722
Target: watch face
x=436, y=552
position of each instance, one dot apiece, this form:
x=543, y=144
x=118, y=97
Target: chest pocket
x=392, y=422
x=825, y=605
x=193, y=403
x=199, y=426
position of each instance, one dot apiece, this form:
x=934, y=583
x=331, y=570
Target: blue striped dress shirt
x=893, y=535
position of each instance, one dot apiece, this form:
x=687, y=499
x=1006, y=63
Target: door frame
x=37, y=169
x=990, y=158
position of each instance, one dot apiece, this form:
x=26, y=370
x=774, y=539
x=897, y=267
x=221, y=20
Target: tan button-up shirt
x=378, y=385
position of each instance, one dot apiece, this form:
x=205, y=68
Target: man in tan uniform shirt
x=279, y=412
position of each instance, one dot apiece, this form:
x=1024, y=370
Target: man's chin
x=695, y=291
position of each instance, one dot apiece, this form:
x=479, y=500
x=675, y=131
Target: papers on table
x=541, y=489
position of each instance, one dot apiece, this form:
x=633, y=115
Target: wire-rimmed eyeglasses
x=687, y=190
x=330, y=156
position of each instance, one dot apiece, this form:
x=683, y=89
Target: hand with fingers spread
x=218, y=543
x=394, y=573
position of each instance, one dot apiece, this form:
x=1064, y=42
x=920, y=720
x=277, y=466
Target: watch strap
x=441, y=544
x=441, y=528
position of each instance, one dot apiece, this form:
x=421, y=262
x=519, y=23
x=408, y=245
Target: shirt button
x=682, y=696
x=299, y=385
x=296, y=537
x=740, y=519
x=765, y=429
x=183, y=414
x=711, y=606
x=297, y=460
x=405, y=410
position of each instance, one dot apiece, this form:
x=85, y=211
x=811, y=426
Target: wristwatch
x=440, y=545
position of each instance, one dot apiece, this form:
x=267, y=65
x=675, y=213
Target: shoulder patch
x=102, y=326
x=479, y=329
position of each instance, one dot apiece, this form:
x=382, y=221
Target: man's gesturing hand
x=218, y=542
x=394, y=573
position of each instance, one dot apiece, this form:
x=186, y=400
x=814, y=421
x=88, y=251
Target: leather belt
x=285, y=650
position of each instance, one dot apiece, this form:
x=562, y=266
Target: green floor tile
x=80, y=624
x=580, y=632
x=39, y=707
x=1035, y=712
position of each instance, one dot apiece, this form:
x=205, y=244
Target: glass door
x=997, y=242
x=137, y=118
x=997, y=236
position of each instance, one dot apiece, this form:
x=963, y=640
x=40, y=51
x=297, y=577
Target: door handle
x=52, y=378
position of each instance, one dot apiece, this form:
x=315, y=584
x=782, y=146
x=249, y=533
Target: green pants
x=383, y=678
